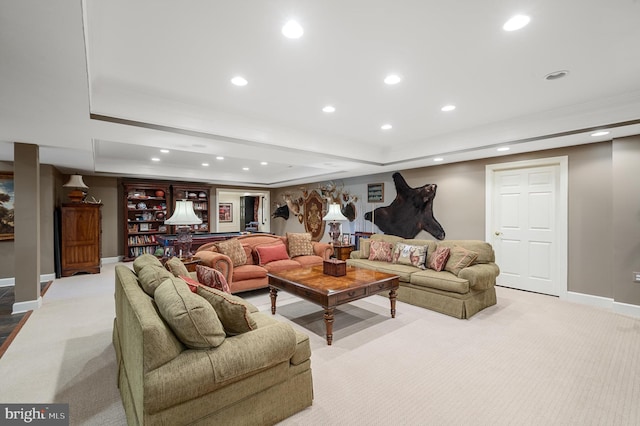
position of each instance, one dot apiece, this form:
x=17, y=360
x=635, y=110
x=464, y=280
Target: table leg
x=392, y=298
x=328, y=322
x=273, y=294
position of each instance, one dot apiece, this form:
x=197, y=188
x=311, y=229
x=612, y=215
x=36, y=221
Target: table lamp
x=183, y=217
x=334, y=216
x=79, y=188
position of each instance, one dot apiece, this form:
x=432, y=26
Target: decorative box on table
x=334, y=267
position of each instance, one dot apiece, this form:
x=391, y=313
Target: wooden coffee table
x=328, y=291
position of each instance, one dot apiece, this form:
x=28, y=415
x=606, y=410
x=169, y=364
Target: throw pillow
x=459, y=258
x=151, y=276
x=406, y=254
x=271, y=252
x=192, y=318
x=300, y=244
x=439, y=258
x=212, y=278
x=365, y=248
x=193, y=284
x=176, y=267
x=233, y=249
x=144, y=260
x=380, y=250
x=233, y=314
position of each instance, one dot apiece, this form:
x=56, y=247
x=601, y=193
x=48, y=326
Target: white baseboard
x=10, y=282
x=604, y=303
x=29, y=305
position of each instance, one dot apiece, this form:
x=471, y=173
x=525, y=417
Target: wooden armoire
x=80, y=242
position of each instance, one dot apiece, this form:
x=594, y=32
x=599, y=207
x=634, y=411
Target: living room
x=601, y=206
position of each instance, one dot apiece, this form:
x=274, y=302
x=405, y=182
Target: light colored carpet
x=530, y=360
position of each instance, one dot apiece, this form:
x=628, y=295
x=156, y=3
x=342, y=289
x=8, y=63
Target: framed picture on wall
x=375, y=193
x=225, y=212
x=6, y=206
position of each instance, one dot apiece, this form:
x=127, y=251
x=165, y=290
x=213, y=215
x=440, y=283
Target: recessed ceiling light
x=448, y=108
x=556, y=75
x=219, y=157
x=155, y=159
x=292, y=29
x=600, y=133
x=245, y=168
x=503, y=148
x=263, y=163
x=438, y=159
x=205, y=164
x=329, y=108
x=392, y=79
x=164, y=151
x=386, y=127
x=239, y=81
x=515, y=23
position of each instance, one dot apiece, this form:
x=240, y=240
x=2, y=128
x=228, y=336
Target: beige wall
x=105, y=190
x=604, y=210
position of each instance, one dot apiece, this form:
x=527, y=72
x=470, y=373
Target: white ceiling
x=102, y=86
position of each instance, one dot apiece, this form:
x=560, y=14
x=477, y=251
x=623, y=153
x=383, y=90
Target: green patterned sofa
x=459, y=295
x=258, y=377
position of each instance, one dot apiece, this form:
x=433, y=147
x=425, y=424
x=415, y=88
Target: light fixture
x=515, y=23
x=329, y=108
x=503, y=148
x=334, y=216
x=386, y=127
x=183, y=217
x=219, y=157
x=292, y=29
x=78, y=193
x=164, y=151
x=448, y=108
x=239, y=81
x=600, y=133
x=155, y=159
x=245, y=169
x=438, y=159
x=205, y=164
x=263, y=163
x=392, y=79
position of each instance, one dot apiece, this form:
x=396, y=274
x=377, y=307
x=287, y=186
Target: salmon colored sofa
x=253, y=273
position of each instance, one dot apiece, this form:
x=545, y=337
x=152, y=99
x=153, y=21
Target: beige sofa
x=459, y=295
x=258, y=377
x=252, y=274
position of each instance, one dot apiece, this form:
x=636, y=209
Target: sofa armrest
x=324, y=250
x=356, y=254
x=196, y=372
x=481, y=276
x=218, y=261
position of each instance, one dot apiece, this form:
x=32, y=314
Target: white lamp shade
x=184, y=214
x=75, y=181
x=334, y=213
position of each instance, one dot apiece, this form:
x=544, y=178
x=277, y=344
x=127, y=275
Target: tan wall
x=604, y=210
x=105, y=190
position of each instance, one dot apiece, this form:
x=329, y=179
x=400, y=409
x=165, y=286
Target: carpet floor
x=529, y=360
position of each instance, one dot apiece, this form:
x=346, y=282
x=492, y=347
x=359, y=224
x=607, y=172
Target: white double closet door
x=527, y=224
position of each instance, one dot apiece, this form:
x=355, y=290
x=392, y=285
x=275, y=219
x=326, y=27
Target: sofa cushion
x=212, y=278
x=381, y=250
x=176, y=267
x=248, y=272
x=406, y=254
x=365, y=247
x=144, y=260
x=151, y=276
x=402, y=271
x=440, y=280
x=299, y=244
x=459, y=258
x=439, y=258
x=281, y=265
x=271, y=252
x=248, y=252
x=233, y=313
x=308, y=260
x=233, y=249
x=192, y=318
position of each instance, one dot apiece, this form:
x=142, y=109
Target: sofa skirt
x=461, y=306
